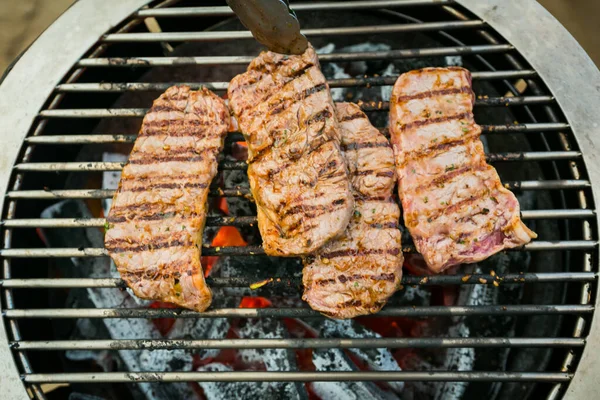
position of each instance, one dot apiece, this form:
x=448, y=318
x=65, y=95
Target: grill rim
x=8, y=169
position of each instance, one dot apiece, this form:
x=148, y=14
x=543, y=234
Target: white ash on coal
x=237, y=390
x=334, y=71
x=271, y=359
x=456, y=359
x=374, y=359
x=85, y=328
x=336, y=360
x=200, y=328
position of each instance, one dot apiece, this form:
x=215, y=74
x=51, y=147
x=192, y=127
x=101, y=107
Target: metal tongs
x=272, y=23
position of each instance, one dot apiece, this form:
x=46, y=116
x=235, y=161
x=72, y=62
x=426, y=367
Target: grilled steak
x=455, y=206
x=158, y=212
x=356, y=274
x=297, y=174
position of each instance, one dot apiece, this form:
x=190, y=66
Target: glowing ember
x=227, y=236
x=223, y=205
x=255, y=302
x=164, y=325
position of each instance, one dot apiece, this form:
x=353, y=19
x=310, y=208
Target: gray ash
x=374, y=359
x=337, y=360
x=237, y=390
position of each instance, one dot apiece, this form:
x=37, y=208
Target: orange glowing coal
x=255, y=302
x=226, y=236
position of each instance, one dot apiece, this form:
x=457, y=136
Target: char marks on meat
x=357, y=273
x=157, y=216
x=296, y=171
x=455, y=206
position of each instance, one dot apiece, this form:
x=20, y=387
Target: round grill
x=95, y=72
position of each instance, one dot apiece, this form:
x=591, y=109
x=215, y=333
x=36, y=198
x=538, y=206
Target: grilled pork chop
x=297, y=174
x=455, y=206
x=356, y=274
x=158, y=212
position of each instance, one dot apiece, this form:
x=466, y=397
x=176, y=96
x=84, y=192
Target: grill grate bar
x=334, y=83
x=95, y=139
x=332, y=57
x=261, y=376
x=84, y=166
x=245, y=221
x=69, y=283
x=101, y=194
x=409, y=311
x=341, y=5
x=484, y=102
x=81, y=139
x=320, y=343
x=212, y=36
x=257, y=250
x=244, y=192
x=365, y=106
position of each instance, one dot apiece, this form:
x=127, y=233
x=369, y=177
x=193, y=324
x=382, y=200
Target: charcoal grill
x=69, y=82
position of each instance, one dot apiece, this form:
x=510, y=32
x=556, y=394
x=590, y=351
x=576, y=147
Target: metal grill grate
x=112, y=67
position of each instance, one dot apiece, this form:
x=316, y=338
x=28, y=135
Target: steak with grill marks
x=158, y=212
x=356, y=274
x=455, y=206
x=295, y=167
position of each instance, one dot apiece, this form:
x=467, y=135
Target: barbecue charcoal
x=454, y=61
x=375, y=359
x=238, y=390
x=203, y=328
x=103, y=359
x=336, y=360
x=386, y=91
x=84, y=396
x=333, y=71
x=457, y=359
x=259, y=268
x=134, y=328
x=273, y=359
x=371, y=67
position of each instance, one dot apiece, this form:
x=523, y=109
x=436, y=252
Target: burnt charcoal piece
x=336, y=360
x=237, y=390
x=273, y=359
x=375, y=359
